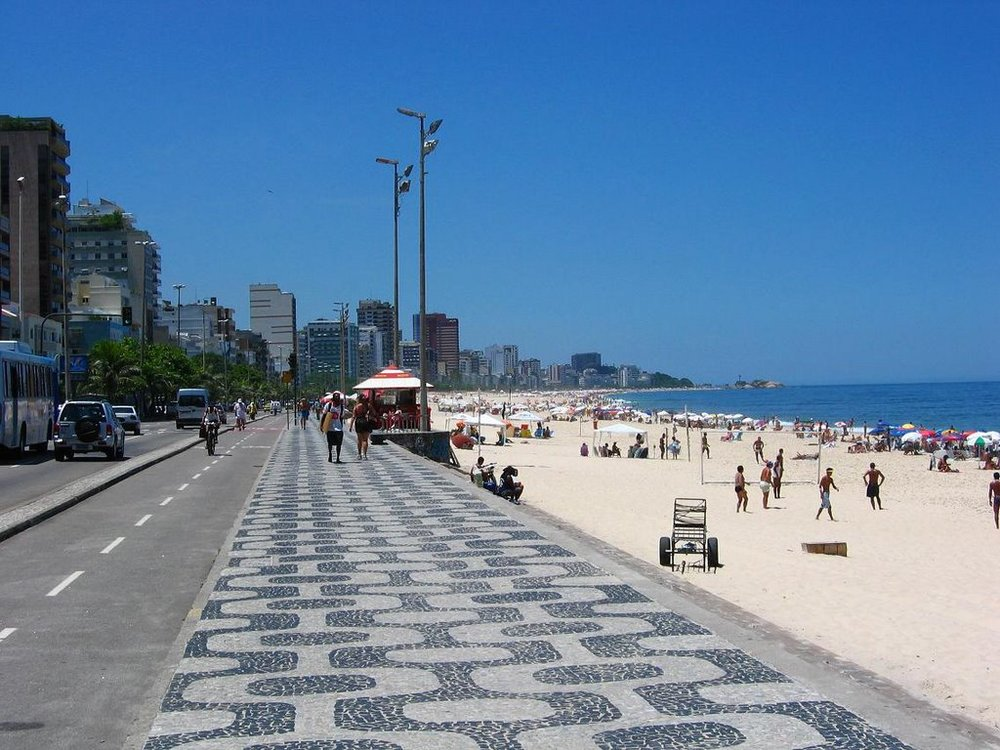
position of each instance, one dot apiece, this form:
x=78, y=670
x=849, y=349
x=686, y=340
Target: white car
x=129, y=418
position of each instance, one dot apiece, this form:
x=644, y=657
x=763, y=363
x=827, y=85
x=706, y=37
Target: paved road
x=385, y=605
x=35, y=474
x=92, y=599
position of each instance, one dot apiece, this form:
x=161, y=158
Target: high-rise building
x=585, y=361
x=272, y=315
x=325, y=353
x=371, y=356
x=104, y=241
x=442, y=340
x=409, y=352
x=33, y=176
x=380, y=315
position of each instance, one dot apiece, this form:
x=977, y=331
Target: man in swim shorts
x=765, y=482
x=995, y=497
x=824, y=494
x=741, y=490
x=758, y=450
x=874, y=478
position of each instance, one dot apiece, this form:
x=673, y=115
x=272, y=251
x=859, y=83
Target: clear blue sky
x=806, y=192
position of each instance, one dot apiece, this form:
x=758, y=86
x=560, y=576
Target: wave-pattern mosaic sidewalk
x=379, y=605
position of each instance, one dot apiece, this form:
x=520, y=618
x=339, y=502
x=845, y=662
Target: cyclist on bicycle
x=210, y=422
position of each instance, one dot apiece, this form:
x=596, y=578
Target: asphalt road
x=92, y=599
x=36, y=474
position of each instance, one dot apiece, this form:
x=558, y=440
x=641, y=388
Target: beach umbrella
x=951, y=437
x=911, y=437
x=972, y=437
x=843, y=424
x=908, y=426
x=927, y=433
x=993, y=435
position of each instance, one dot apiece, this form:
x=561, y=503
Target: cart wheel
x=713, y=552
x=666, y=552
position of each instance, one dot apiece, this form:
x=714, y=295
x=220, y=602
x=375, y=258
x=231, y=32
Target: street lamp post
x=146, y=246
x=63, y=205
x=225, y=357
x=426, y=147
x=20, y=257
x=399, y=186
x=342, y=317
x=178, y=287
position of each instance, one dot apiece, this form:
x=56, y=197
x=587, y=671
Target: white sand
x=914, y=601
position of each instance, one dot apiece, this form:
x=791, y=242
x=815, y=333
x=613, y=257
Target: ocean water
x=972, y=406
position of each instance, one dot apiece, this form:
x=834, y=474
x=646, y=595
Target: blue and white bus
x=29, y=392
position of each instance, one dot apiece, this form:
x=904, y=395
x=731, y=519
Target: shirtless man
x=758, y=450
x=741, y=490
x=765, y=482
x=777, y=472
x=995, y=498
x=873, y=478
x=824, y=494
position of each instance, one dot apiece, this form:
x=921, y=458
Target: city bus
x=29, y=389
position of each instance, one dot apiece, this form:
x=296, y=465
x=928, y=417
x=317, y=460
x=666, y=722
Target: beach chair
x=690, y=537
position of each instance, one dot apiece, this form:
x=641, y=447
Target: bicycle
x=211, y=439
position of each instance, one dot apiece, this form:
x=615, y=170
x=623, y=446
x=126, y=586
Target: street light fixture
x=426, y=147
x=400, y=185
x=178, y=287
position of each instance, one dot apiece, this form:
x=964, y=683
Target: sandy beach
x=914, y=600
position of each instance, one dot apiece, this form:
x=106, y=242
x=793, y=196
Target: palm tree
x=114, y=370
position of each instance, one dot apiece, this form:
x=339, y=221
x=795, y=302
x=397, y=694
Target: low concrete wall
x=435, y=445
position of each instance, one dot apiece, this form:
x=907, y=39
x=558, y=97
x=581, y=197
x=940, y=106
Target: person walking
x=995, y=498
x=824, y=494
x=777, y=471
x=873, y=478
x=741, y=490
x=704, y=445
x=240, y=411
x=303, y=413
x=765, y=482
x=363, y=422
x=758, y=450
x=332, y=422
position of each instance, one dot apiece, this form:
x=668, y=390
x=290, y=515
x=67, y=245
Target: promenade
x=389, y=604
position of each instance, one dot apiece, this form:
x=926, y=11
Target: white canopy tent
x=619, y=429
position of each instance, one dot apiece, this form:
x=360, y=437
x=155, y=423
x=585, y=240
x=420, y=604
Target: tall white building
x=272, y=316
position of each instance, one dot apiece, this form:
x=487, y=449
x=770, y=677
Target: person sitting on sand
x=944, y=466
x=615, y=450
x=989, y=462
x=509, y=488
x=584, y=450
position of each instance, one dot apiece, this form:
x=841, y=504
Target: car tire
x=121, y=450
x=60, y=455
x=110, y=453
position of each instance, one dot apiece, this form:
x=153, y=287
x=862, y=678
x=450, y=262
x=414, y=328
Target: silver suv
x=88, y=426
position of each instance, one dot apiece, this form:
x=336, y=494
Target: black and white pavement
x=384, y=605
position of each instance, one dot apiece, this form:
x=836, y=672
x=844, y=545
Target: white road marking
x=66, y=582
x=6, y=632
x=215, y=462
x=143, y=520
x=167, y=500
x=182, y=487
x=196, y=476
x=207, y=467
x=113, y=544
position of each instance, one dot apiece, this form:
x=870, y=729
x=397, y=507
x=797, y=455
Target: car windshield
x=74, y=412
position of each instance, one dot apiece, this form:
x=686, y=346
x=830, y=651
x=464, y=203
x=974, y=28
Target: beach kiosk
x=394, y=392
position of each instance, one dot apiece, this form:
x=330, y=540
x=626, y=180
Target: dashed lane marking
x=66, y=582
x=196, y=476
x=6, y=632
x=167, y=500
x=182, y=487
x=113, y=544
x=143, y=520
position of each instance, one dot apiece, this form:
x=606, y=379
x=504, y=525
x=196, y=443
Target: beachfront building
x=380, y=315
x=586, y=360
x=105, y=243
x=371, y=351
x=628, y=376
x=33, y=176
x=272, y=315
x=474, y=368
x=409, y=352
x=442, y=342
x=327, y=356
x=503, y=359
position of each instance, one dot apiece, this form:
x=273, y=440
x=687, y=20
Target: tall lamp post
x=342, y=317
x=426, y=147
x=178, y=287
x=399, y=186
x=62, y=204
x=225, y=357
x=20, y=258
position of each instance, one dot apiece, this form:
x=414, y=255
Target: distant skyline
x=798, y=192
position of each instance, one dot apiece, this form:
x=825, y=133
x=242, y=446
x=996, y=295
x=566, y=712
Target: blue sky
x=805, y=192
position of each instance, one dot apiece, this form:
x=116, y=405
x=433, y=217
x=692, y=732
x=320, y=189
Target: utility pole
x=342, y=313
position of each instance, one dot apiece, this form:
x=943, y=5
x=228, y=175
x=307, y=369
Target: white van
x=191, y=405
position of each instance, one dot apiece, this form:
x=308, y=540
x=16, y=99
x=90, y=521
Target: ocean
x=966, y=406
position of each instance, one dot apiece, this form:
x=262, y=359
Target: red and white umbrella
x=390, y=379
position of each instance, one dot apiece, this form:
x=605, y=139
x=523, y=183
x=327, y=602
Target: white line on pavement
x=196, y=476
x=66, y=582
x=143, y=520
x=113, y=544
x=6, y=632
x=206, y=468
x=182, y=487
x=167, y=500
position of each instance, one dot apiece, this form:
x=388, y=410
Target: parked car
x=129, y=418
x=87, y=427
